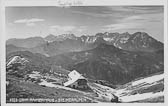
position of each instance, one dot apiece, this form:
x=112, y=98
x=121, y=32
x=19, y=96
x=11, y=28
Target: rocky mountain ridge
x=54, y=45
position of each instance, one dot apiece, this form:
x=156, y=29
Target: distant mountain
x=106, y=62
x=11, y=48
x=55, y=45
x=66, y=36
x=61, y=37
x=139, y=41
x=50, y=38
x=59, y=47
x=26, y=43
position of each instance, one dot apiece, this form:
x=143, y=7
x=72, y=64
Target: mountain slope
x=26, y=81
x=107, y=62
x=50, y=38
x=26, y=43
x=11, y=48
x=141, y=41
x=147, y=89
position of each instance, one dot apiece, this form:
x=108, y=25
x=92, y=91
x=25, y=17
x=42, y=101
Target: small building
x=76, y=80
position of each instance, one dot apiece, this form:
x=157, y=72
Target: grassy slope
x=21, y=89
x=31, y=90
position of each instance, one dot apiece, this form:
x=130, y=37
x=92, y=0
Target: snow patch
x=143, y=96
x=124, y=40
x=108, y=39
x=108, y=89
x=90, y=39
x=149, y=79
x=35, y=75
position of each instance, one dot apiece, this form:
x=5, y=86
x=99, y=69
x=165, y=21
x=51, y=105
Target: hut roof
x=73, y=76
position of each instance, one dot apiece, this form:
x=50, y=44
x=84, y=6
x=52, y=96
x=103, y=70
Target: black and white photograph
x=85, y=54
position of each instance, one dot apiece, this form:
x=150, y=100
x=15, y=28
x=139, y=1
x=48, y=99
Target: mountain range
x=54, y=45
x=117, y=58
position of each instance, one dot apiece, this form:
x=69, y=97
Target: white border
x=85, y=2
x=6, y=3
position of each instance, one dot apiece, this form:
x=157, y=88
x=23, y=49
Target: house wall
x=79, y=84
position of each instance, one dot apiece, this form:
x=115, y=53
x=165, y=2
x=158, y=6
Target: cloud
x=62, y=28
x=127, y=23
x=66, y=29
x=95, y=11
x=116, y=11
x=143, y=18
x=21, y=21
x=136, y=9
x=98, y=14
x=28, y=22
x=121, y=26
x=81, y=28
x=133, y=22
x=132, y=18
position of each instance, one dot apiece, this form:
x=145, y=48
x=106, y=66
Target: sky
x=24, y=22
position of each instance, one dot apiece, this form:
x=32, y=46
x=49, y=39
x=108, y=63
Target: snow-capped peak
x=66, y=36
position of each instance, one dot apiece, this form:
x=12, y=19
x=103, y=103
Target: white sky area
x=24, y=22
